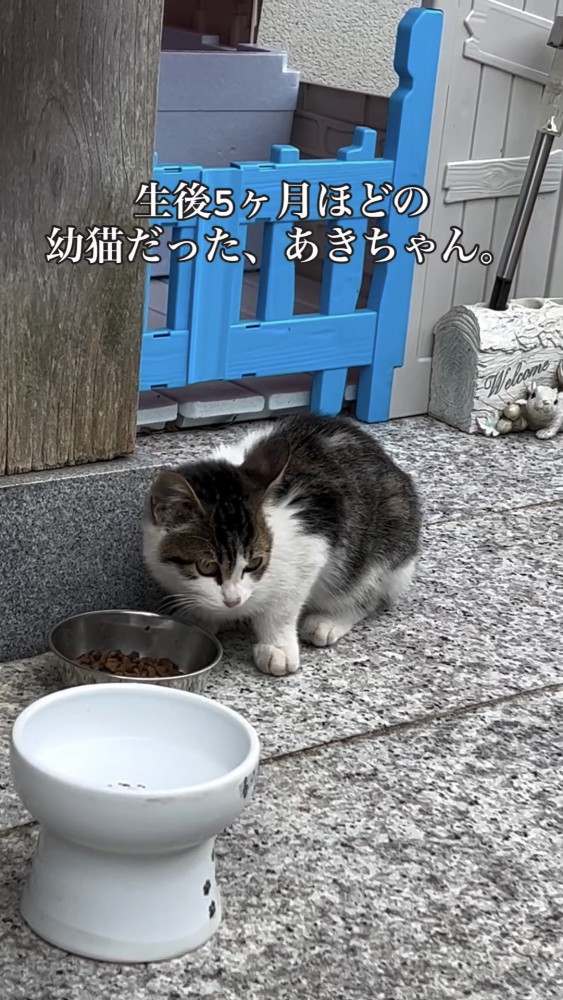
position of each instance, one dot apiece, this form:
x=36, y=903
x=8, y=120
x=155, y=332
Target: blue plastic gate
x=205, y=339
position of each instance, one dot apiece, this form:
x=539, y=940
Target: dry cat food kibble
x=129, y=664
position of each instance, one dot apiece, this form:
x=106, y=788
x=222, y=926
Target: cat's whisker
x=184, y=605
x=178, y=602
x=171, y=599
x=172, y=605
x=168, y=602
x=169, y=606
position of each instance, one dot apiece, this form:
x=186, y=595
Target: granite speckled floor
x=406, y=838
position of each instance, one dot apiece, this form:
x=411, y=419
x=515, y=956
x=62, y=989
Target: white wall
x=347, y=44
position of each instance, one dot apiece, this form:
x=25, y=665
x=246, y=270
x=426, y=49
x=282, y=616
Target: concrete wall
x=347, y=45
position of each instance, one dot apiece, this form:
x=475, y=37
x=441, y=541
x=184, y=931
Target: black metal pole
x=549, y=126
x=521, y=220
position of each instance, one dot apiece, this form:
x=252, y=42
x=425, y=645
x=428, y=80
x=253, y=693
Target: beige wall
x=348, y=44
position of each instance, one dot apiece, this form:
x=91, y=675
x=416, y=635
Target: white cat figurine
x=543, y=410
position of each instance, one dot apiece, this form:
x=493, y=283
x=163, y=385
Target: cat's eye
x=178, y=561
x=253, y=564
x=207, y=567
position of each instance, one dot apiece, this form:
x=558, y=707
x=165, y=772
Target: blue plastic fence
x=205, y=339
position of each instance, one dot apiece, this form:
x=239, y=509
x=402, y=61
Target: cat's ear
x=266, y=462
x=172, y=500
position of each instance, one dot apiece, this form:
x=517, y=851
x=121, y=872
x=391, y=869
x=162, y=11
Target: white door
x=493, y=68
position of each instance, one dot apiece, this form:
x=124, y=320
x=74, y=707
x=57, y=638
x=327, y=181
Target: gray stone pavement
x=405, y=841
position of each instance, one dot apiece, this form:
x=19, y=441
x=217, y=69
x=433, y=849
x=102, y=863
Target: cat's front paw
x=276, y=660
x=546, y=433
x=319, y=631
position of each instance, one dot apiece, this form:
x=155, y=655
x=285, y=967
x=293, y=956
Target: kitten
x=304, y=527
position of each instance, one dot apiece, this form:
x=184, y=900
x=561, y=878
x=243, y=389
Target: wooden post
x=77, y=110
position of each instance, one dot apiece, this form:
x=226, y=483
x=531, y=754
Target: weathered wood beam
x=78, y=88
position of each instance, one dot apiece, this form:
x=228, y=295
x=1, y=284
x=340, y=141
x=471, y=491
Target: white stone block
x=154, y=410
x=215, y=402
x=283, y=393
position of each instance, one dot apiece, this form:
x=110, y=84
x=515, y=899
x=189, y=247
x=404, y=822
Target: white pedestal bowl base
x=121, y=909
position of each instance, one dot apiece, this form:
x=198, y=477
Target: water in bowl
x=138, y=764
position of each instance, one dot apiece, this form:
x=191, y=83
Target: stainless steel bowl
x=194, y=650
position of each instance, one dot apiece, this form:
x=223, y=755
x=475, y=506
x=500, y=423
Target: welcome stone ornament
x=484, y=361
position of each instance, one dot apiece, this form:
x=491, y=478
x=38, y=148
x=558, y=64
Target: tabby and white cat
x=303, y=528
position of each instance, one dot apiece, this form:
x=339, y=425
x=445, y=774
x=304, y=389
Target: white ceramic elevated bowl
x=130, y=785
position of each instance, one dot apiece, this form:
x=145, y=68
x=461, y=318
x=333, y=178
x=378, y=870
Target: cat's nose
x=231, y=602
